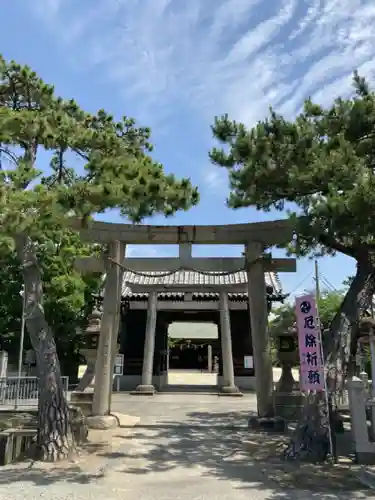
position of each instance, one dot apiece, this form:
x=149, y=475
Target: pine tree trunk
x=310, y=440
x=55, y=436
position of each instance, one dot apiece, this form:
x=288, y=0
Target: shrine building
x=187, y=306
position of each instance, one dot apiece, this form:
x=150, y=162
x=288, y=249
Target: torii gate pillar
x=259, y=329
x=108, y=333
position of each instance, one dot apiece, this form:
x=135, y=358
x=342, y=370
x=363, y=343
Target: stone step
x=344, y=409
x=345, y=417
x=77, y=397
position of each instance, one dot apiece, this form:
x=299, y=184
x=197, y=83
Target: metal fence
x=22, y=392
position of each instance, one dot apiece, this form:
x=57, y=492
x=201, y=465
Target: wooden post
x=226, y=346
x=209, y=358
x=259, y=330
x=104, y=368
x=146, y=386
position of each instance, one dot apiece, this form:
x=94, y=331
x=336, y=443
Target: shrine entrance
x=188, y=315
x=193, y=354
x=193, y=346
x=144, y=329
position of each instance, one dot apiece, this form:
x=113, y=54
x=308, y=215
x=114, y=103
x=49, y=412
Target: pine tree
x=319, y=168
x=118, y=173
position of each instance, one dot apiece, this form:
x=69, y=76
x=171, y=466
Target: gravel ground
x=185, y=447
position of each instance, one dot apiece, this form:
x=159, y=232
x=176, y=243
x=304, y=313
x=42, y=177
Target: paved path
x=195, y=377
x=185, y=447
x=191, y=378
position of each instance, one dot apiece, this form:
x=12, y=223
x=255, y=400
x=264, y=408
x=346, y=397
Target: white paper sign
x=248, y=362
x=119, y=364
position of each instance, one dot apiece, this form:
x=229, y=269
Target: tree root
x=59, y=448
x=78, y=425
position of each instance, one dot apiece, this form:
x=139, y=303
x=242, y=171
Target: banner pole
x=317, y=294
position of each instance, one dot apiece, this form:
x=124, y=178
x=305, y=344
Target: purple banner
x=309, y=343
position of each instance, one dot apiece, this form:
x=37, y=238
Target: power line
x=301, y=283
x=327, y=284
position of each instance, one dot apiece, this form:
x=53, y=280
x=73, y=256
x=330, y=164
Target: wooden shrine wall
x=132, y=335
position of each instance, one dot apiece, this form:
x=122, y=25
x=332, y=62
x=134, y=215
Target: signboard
x=119, y=364
x=248, y=362
x=309, y=344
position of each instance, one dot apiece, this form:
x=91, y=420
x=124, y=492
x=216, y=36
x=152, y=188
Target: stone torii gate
x=255, y=237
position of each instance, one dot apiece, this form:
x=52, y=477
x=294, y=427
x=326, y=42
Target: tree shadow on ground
x=212, y=442
x=40, y=475
x=86, y=468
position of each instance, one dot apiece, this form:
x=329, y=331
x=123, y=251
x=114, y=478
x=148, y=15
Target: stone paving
x=184, y=447
x=197, y=378
x=191, y=378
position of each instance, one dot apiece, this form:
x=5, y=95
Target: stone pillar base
x=268, y=424
x=102, y=422
x=144, y=390
x=288, y=405
x=230, y=390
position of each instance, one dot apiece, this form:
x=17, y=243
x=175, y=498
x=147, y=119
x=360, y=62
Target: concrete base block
x=230, y=390
x=288, y=405
x=103, y=422
x=268, y=424
x=82, y=400
x=125, y=420
x=144, y=390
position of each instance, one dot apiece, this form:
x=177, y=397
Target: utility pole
x=317, y=286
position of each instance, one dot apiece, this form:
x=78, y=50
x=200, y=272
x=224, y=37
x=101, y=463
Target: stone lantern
x=92, y=332
x=89, y=349
x=366, y=336
x=288, y=398
x=287, y=356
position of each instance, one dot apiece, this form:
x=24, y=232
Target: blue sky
x=175, y=64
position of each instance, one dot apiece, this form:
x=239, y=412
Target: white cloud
x=215, y=179
x=223, y=55
x=214, y=56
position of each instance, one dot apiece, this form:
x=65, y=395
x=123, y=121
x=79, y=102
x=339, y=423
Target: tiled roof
x=191, y=278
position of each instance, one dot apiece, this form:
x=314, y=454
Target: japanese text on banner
x=309, y=342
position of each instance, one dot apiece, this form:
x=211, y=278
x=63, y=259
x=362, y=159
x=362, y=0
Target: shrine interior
x=190, y=345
